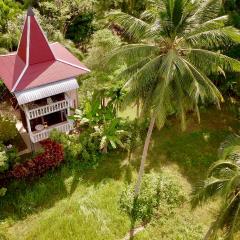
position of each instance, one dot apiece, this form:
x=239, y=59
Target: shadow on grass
x=3, y=237
x=24, y=197
x=193, y=151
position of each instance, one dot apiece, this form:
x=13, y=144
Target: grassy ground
x=70, y=203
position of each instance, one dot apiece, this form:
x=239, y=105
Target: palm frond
x=214, y=38
x=132, y=69
x=131, y=53
x=180, y=104
x=135, y=27
x=161, y=102
x=232, y=153
x=228, y=215
x=150, y=15
x=193, y=87
x=209, y=188
x=231, y=140
x=220, y=165
x=212, y=92
x=216, y=23
x=232, y=224
x=143, y=77
x=206, y=10
x=167, y=67
x=209, y=61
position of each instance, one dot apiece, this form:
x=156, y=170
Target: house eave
x=47, y=90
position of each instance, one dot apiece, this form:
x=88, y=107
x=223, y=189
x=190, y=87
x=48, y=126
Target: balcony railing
x=38, y=136
x=50, y=108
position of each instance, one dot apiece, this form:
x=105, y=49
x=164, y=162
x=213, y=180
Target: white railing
x=44, y=134
x=50, y=108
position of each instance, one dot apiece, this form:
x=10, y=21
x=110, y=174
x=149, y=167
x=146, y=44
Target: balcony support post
x=27, y=119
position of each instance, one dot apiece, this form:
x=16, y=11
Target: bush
x=157, y=190
x=81, y=149
x=9, y=124
x=81, y=29
x=50, y=159
x=90, y=152
x=3, y=191
x=3, y=160
x=12, y=155
x=8, y=156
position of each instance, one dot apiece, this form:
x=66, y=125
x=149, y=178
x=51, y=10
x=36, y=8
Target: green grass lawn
x=70, y=203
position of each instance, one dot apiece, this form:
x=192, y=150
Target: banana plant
x=110, y=135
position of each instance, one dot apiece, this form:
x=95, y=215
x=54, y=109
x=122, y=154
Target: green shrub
x=157, y=191
x=8, y=157
x=3, y=51
x=8, y=129
x=12, y=155
x=3, y=160
x=3, y=191
x=78, y=148
x=90, y=154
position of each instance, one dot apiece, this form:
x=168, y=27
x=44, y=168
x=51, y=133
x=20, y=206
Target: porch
x=47, y=106
x=44, y=115
x=38, y=136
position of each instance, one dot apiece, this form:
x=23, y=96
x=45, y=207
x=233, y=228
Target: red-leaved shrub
x=53, y=155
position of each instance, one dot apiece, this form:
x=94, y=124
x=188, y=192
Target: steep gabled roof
x=33, y=47
x=37, y=62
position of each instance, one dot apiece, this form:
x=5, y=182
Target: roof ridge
x=28, y=22
x=73, y=65
x=30, y=12
x=28, y=47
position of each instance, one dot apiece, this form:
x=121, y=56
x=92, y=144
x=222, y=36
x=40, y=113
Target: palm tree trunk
x=138, y=108
x=144, y=156
x=131, y=5
x=129, y=155
x=209, y=232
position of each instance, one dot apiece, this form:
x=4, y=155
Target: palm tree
x=168, y=68
x=223, y=180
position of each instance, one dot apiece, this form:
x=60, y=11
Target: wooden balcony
x=36, y=111
x=38, y=136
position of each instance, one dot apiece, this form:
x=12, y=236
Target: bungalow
x=41, y=76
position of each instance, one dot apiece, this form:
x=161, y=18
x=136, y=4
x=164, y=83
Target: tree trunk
x=129, y=155
x=209, y=233
x=130, y=4
x=105, y=149
x=144, y=156
x=138, y=108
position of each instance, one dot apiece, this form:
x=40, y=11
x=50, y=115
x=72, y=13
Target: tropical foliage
x=9, y=124
x=102, y=79
x=176, y=42
x=8, y=157
x=3, y=160
x=168, y=69
x=49, y=159
x=162, y=59
x=223, y=181
x=158, y=191
x=110, y=135
x=80, y=149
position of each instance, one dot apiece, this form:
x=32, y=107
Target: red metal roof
x=37, y=62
